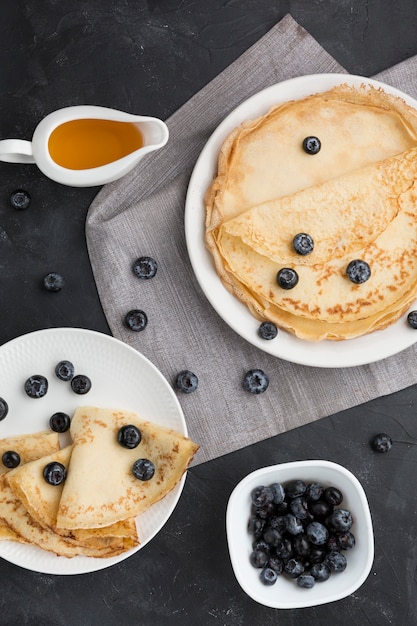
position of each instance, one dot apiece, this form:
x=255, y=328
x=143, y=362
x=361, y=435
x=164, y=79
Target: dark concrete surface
x=151, y=57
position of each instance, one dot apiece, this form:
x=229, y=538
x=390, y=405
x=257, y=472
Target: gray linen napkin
x=143, y=214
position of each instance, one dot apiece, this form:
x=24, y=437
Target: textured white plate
x=286, y=594
x=373, y=347
x=121, y=378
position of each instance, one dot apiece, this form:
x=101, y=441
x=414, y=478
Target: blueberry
x=306, y=581
x=302, y=545
x=412, y=319
x=265, y=511
x=358, y=271
x=303, y=244
x=261, y=495
x=36, y=386
x=295, y=488
x=255, y=381
x=81, y=384
x=317, y=554
x=340, y=520
x=143, y=469
x=333, y=496
x=336, y=561
x=320, y=508
x=293, y=524
x=186, y=381
x=298, y=507
x=267, y=330
x=136, y=320
x=320, y=571
x=129, y=436
x=314, y=492
x=10, y=459
x=145, y=267
x=4, y=409
x=272, y=536
x=311, y=145
x=268, y=576
x=279, y=493
x=284, y=550
x=64, y=370
x=54, y=473
x=256, y=526
x=259, y=558
x=53, y=282
x=276, y=564
x=381, y=443
x=331, y=543
x=20, y=199
x=60, y=422
x=294, y=567
x=260, y=544
x=317, y=533
x=346, y=540
x=287, y=278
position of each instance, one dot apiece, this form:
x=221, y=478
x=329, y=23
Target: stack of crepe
x=93, y=512
x=357, y=199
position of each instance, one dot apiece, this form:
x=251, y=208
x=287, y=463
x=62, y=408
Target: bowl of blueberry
x=300, y=534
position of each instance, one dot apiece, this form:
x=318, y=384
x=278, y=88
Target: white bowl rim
x=301, y=466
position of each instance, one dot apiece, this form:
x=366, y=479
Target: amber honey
x=87, y=143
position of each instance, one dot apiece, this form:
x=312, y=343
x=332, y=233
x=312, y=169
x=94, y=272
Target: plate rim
x=98, y=564
x=324, y=354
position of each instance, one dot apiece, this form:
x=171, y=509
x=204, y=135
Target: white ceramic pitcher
x=149, y=133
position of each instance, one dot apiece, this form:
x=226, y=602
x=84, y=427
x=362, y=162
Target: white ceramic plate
x=347, y=353
x=121, y=378
x=286, y=594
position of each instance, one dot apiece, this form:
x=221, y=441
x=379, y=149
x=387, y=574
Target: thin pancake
x=41, y=500
x=355, y=197
x=370, y=214
x=100, y=487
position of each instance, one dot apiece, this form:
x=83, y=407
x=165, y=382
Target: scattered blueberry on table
x=186, y=381
x=255, y=381
x=294, y=536
x=20, y=199
x=53, y=282
x=145, y=267
x=136, y=320
x=381, y=443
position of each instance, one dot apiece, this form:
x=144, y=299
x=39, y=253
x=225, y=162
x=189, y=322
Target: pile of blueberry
x=299, y=530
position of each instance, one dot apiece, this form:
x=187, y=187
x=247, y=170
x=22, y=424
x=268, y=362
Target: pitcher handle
x=16, y=151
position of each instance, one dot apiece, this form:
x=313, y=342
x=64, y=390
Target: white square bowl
x=285, y=593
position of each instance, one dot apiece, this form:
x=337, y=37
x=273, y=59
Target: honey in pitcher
x=87, y=143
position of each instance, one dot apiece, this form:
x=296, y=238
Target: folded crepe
x=41, y=501
x=100, y=488
x=29, y=447
x=26, y=530
x=356, y=198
